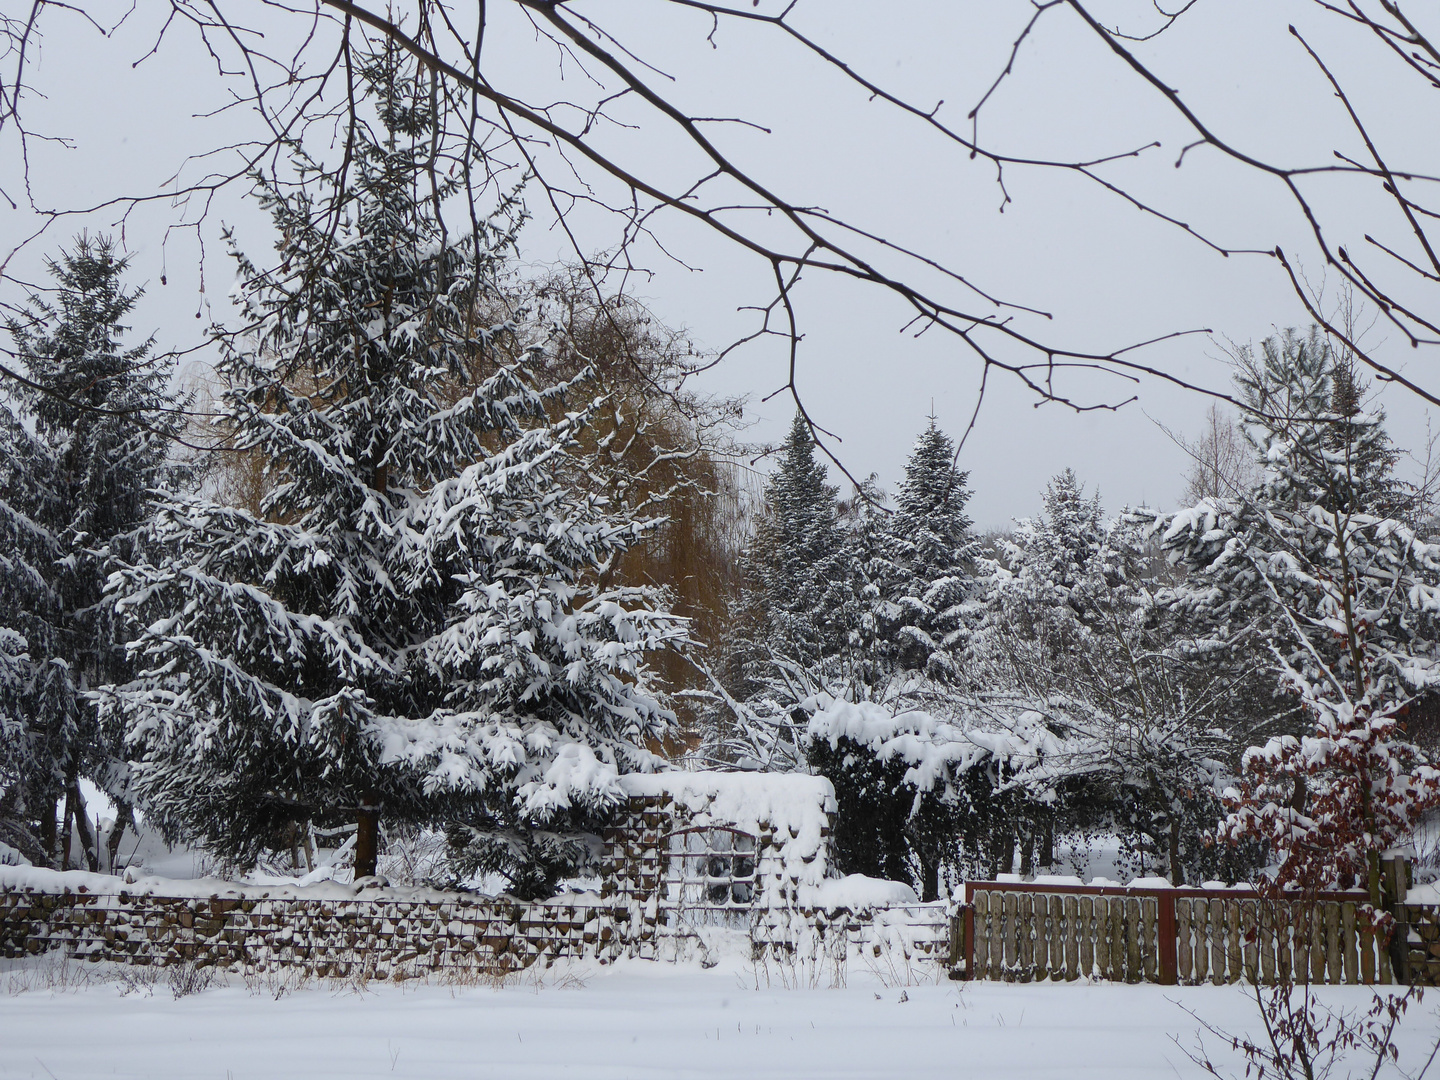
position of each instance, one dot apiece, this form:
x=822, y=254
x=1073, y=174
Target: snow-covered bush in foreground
x=1330, y=802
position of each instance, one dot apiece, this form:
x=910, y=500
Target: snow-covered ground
x=636, y=1019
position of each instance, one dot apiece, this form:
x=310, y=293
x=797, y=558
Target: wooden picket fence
x=1024, y=932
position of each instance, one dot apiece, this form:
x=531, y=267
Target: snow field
x=635, y=1020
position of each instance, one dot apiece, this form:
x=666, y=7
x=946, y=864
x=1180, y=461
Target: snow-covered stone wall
x=691, y=856
x=328, y=931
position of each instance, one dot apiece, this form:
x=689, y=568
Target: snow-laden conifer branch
x=414, y=625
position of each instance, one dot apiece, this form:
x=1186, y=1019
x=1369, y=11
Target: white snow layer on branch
x=937, y=750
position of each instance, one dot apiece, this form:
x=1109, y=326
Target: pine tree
x=413, y=626
x=806, y=619
x=1261, y=566
x=1303, y=412
x=795, y=553
x=1040, y=592
x=89, y=440
x=1065, y=543
x=905, y=581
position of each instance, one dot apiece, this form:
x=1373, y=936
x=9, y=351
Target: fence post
x=1165, y=939
x=1397, y=880
x=968, y=927
x=962, y=947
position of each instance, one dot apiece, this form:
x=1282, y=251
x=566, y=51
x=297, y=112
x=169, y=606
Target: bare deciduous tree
x=1222, y=463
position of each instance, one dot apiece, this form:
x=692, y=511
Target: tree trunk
x=1047, y=843
x=929, y=881
x=124, y=815
x=1177, y=872
x=1004, y=849
x=294, y=836
x=68, y=815
x=48, y=835
x=82, y=826
x=367, y=836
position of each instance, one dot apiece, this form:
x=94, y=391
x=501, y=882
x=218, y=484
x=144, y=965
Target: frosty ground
x=635, y=1019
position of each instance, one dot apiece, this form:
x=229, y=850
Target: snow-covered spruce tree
x=20, y=836
x=907, y=581
x=412, y=627
x=1313, y=568
x=931, y=555
x=82, y=448
x=793, y=566
x=793, y=613
x=866, y=650
x=1039, y=592
x=900, y=816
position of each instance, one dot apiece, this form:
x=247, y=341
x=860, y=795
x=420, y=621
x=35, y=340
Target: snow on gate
x=699, y=854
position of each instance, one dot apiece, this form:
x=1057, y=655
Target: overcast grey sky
x=1109, y=275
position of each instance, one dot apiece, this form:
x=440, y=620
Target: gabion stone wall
x=402, y=939
x=1421, y=925
x=382, y=939
x=688, y=854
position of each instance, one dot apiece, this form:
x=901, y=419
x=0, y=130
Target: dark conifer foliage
x=792, y=603
x=1304, y=411
x=904, y=582
x=82, y=450
x=411, y=626
x=931, y=554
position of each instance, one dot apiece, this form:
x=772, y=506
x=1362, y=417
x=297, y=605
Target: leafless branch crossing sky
x=1032, y=213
